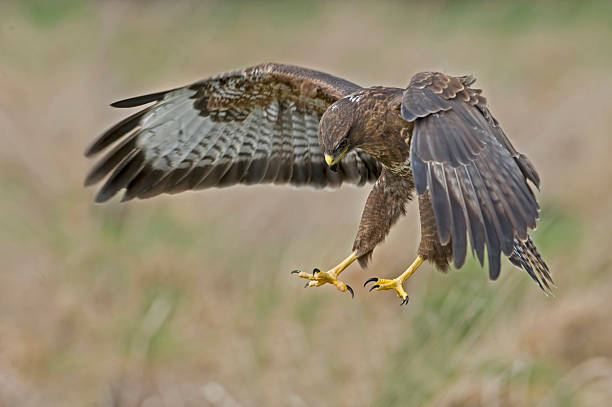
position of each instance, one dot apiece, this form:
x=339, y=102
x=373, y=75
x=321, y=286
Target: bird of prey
x=284, y=124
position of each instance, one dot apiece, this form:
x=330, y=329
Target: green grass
x=444, y=326
x=453, y=315
x=51, y=13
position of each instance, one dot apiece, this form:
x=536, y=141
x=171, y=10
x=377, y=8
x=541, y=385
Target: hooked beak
x=332, y=161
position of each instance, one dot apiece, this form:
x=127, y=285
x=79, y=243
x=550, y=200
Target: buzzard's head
x=336, y=131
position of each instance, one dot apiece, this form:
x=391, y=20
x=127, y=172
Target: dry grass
x=187, y=301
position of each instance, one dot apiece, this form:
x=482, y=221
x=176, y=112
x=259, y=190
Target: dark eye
x=343, y=144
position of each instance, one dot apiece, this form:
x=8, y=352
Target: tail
x=525, y=255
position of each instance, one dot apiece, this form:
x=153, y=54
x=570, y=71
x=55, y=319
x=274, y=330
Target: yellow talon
x=386, y=284
x=318, y=277
x=397, y=283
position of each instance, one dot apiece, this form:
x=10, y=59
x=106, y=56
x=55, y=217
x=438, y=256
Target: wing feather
x=111, y=160
x=440, y=200
x=476, y=179
x=119, y=130
x=458, y=215
x=256, y=125
x=472, y=206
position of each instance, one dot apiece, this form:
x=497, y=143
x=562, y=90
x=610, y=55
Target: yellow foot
x=397, y=283
x=318, y=277
x=386, y=284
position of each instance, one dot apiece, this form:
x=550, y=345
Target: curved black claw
x=404, y=301
x=315, y=271
x=373, y=287
x=307, y=284
x=350, y=290
x=369, y=280
x=295, y=272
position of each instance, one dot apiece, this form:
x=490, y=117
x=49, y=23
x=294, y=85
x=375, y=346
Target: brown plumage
x=279, y=124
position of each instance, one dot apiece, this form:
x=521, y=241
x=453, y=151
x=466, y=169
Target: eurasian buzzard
x=284, y=124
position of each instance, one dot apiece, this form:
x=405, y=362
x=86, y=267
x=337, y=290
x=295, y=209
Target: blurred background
x=187, y=300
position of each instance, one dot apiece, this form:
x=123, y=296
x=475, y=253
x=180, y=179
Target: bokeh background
x=187, y=300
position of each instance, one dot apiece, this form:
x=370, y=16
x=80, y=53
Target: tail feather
x=526, y=256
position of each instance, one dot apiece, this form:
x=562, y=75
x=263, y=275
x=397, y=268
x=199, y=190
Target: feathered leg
x=385, y=204
x=430, y=249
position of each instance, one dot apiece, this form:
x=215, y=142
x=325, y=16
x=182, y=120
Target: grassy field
x=187, y=300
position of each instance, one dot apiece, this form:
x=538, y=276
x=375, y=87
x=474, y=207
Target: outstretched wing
x=256, y=125
x=475, y=177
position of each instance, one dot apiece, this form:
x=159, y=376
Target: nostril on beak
x=334, y=167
